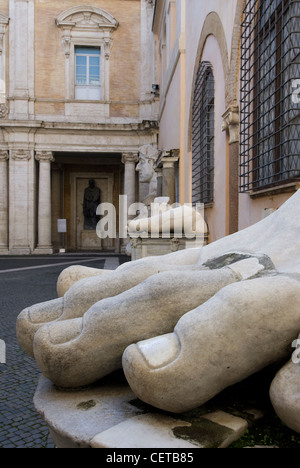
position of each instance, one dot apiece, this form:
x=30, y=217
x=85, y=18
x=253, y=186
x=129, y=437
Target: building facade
x=230, y=102
x=76, y=104
x=214, y=86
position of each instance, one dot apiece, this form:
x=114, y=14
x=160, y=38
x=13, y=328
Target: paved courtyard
x=28, y=280
x=25, y=281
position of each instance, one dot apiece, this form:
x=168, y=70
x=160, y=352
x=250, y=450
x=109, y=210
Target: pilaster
x=147, y=50
x=44, y=246
x=231, y=125
x=3, y=72
x=21, y=201
x=168, y=160
x=21, y=58
x=4, y=156
x=129, y=160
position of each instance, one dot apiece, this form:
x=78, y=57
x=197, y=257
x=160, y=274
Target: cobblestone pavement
x=25, y=281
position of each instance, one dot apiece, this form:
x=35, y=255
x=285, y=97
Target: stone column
x=21, y=201
x=130, y=160
x=168, y=161
x=44, y=203
x=56, y=204
x=3, y=202
x=159, y=173
x=231, y=124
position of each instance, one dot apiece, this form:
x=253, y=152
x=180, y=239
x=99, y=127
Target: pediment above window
x=86, y=18
x=86, y=26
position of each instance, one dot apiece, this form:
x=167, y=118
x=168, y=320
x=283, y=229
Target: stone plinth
x=141, y=248
x=90, y=241
x=108, y=415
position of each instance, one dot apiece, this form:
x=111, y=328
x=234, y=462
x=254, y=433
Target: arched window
x=203, y=135
x=270, y=113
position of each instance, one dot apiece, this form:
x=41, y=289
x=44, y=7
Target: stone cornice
x=86, y=17
x=146, y=125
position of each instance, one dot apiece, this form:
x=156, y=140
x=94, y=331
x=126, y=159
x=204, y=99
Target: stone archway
x=213, y=27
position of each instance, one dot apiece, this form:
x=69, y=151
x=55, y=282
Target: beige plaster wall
x=4, y=7
x=216, y=216
x=125, y=53
x=169, y=135
x=253, y=210
x=209, y=31
x=195, y=43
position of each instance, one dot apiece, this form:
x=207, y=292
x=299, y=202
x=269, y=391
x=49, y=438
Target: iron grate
x=270, y=111
x=203, y=135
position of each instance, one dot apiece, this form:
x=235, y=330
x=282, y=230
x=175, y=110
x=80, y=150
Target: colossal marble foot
x=242, y=329
x=33, y=318
x=277, y=236
x=75, y=273
x=79, y=298
x=285, y=393
x=78, y=352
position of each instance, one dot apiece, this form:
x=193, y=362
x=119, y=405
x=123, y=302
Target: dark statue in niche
x=90, y=203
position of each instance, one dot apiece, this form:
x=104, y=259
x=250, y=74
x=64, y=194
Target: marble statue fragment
x=185, y=325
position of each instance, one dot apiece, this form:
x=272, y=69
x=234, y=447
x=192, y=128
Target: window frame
x=203, y=135
x=71, y=75
x=266, y=159
x=89, y=26
x=88, y=86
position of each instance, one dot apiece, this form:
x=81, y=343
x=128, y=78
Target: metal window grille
x=270, y=113
x=203, y=135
